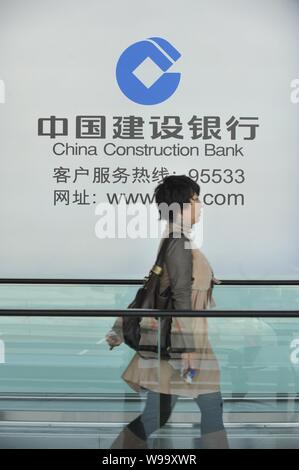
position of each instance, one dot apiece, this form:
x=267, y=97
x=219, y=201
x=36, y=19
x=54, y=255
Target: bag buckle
x=156, y=269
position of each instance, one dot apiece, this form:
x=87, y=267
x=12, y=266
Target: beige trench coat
x=164, y=376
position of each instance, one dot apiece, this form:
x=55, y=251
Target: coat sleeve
x=178, y=259
x=117, y=328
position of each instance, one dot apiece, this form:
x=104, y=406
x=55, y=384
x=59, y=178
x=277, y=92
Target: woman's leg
x=212, y=428
x=158, y=408
x=156, y=412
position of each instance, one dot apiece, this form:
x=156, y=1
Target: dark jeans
x=159, y=406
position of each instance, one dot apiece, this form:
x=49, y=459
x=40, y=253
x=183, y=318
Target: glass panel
x=97, y=296
x=60, y=370
x=66, y=296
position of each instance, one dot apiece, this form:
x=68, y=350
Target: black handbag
x=149, y=297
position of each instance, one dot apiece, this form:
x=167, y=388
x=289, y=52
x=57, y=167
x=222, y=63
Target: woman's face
x=191, y=211
x=196, y=206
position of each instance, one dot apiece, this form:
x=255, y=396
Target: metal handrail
x=224, y=282
x=150, y=313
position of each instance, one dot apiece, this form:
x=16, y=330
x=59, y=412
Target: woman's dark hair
x=174, y=189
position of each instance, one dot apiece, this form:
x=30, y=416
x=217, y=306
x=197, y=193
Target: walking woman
x=193, y=374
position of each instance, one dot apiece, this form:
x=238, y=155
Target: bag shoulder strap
x=157, y=268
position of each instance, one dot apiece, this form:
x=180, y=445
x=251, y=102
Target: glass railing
x=58, y=373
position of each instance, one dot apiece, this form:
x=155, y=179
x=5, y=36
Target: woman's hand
x=190, y=361
x=113, y=339
x=190, y=366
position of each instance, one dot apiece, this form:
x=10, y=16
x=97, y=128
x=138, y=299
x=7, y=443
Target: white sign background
x=59, y=58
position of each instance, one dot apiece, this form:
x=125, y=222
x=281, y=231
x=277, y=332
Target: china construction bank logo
x=141, y=71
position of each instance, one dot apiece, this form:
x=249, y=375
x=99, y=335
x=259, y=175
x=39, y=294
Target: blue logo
x=141, y=71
